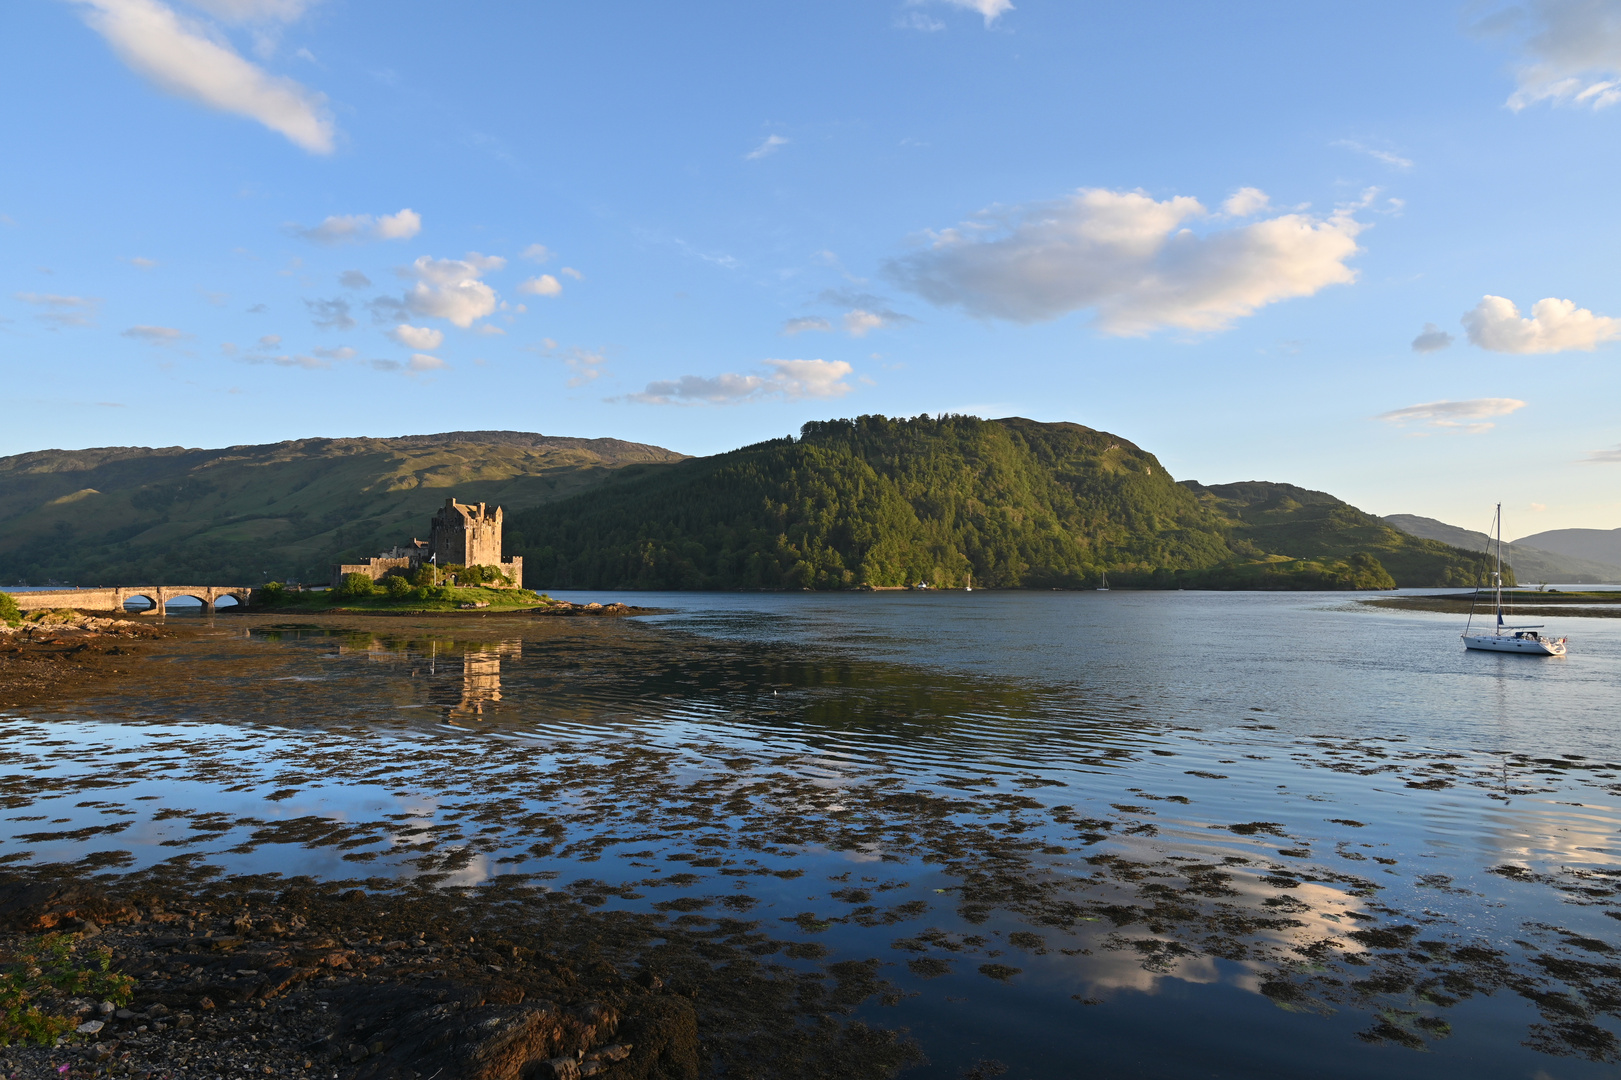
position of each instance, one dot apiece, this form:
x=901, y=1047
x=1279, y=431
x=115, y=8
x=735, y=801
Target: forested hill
x=885, y=502
x=1271, y=519
x=288, y=510
x=881, y=502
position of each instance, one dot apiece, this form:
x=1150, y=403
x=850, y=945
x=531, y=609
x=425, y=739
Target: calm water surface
x=1130, y=834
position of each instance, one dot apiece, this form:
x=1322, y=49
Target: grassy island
x=430, y=598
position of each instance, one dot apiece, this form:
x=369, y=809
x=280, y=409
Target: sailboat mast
x=1499, y=628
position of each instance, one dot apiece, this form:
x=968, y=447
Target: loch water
x=1121, y=834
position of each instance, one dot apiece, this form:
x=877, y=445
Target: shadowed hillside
x=1597, y=545
x=1530, y=563
x=279, y=511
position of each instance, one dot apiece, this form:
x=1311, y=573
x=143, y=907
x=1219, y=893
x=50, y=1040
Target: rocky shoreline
x=291, y=977
x=56, y=651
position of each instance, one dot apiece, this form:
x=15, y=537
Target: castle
x=459, y=535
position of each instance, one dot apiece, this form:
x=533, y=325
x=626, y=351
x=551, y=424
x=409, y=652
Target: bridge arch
x=138, y=601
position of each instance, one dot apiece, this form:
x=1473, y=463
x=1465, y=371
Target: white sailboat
x=1105, y=586
x=1503, y=638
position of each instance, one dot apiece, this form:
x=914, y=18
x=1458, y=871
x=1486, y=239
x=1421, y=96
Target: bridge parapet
x=112, y=599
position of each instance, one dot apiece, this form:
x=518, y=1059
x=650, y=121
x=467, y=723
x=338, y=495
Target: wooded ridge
x=955, y=500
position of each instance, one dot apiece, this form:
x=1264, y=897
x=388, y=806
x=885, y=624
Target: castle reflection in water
x=435, y=661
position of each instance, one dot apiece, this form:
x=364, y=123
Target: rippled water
x=1142, y=834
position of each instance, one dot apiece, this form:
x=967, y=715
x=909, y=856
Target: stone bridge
x=113, y=599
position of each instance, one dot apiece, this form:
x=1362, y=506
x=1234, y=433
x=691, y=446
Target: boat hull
x=1504, y=643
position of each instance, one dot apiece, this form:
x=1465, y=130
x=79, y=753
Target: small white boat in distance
x=1503, y=638
x=1105, y=586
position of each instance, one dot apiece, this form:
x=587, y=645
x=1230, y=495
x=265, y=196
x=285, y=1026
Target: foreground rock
x=265, y=977
x=564, y=608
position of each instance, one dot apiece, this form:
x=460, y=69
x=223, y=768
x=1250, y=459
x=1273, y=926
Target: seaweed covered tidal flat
x=810, y=838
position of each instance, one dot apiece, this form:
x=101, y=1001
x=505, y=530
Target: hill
x=283, y=510
x=1597, y=545
x=1282, y=519
x=1530, y=563
x=1008, y=503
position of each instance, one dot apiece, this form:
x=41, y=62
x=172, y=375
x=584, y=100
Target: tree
x=355, y=586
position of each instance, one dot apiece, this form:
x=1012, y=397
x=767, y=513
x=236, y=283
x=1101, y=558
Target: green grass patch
x=418, y=598
x=36, y=983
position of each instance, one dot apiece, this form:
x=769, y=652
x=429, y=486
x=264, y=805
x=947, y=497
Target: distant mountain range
x=1532, y=562
x=1598, y=545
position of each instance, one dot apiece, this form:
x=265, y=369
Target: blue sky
x=1368, y=248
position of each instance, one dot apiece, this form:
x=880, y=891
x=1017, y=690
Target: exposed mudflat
x=799, y=862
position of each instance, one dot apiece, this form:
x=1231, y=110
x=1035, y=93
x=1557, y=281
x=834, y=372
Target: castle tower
x=465, y=534
x=460, y=534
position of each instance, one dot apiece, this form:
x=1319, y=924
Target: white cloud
x=1573, y=55
x=155, y=335
x=1432, y=339
x=1603, y=457
x=348, y=228
x=417, y=337
x=1555, y=326
x=990, y=9
x=270, y=341
x=331, y=314
x=308, y=363
x=1469, y=416
x=399, y=226
x=858, y=322
x=772, y=144
x=569, y=271
x=1246, y=202
x=184, y=58
x=790, y=380
x=450, y=288
x=424, y=362
x=342, y=352
x=62, y=310
x=489, y=330
x=586, y=364
x=354, y=279
x=1131, y=259
x=143, y=263
x=544, y=285
x=916, y=20
x=1395, y=161
x=537, y=253
x=806, y=323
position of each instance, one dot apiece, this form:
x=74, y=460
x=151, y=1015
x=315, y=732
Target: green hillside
x=282, y=511
x=1013, y=503
x=871, y=501
x=881, y=502
x=1282, y=519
